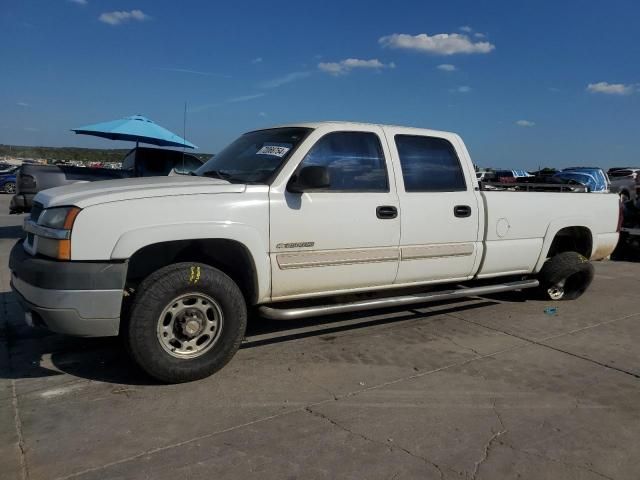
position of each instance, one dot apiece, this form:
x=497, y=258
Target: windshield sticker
x=275, y=149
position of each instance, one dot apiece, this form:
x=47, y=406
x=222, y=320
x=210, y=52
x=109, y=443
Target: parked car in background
x=510, y=176
x=485, y=175
x=595, y=179
x=625, y=182
x=139, y=162
x=7, y=167
x=629, y=245
x=8, y=180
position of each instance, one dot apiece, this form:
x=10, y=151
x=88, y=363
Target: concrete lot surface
x=487, y=388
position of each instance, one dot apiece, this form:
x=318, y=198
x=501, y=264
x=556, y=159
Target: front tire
x=186, y=322
x=566, y=276
x=10, y=187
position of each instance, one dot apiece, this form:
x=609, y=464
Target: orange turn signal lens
x=64, y=246
x=64, y=249
x=71, y=217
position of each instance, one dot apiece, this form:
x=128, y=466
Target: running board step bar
x=274, y=313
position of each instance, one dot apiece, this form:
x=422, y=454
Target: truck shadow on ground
x=37, y=353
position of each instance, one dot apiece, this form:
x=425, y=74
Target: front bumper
x=74, y=298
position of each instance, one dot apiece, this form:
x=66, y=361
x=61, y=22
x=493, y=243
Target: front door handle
x=462, y=211
x=386, y=212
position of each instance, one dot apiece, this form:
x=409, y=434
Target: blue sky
x=526, y=83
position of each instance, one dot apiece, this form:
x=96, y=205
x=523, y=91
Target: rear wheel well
x=229, y=256
x=572, y=239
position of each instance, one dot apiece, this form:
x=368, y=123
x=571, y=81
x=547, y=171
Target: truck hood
x=87, y=194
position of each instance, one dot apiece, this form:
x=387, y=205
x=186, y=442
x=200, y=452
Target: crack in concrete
x=557, y=349
x=561, y=462
x=489, y=444
x=5, y=337
x=485, y=453
x=451, y=340
x=24, y=471
x=388, y=446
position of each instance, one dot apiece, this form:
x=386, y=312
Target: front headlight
x=61, y=218
x=55, y=237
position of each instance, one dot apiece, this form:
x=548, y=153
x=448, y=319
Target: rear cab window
x=429, y=164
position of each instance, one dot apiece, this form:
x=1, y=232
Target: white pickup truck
x=295, y=221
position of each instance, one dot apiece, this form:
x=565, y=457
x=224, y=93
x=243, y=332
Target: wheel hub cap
x=556, y=293
x=189, y=325
x=192, y=324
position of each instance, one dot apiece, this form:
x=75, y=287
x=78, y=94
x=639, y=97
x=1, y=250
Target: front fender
x=133, y=240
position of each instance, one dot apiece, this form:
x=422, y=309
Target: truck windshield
x=255, y=156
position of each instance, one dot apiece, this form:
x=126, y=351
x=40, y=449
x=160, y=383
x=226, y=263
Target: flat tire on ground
x=566, y=276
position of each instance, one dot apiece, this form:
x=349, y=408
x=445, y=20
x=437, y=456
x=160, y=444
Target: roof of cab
x=346, y=124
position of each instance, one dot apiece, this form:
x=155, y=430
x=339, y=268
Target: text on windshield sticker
x=277, y=150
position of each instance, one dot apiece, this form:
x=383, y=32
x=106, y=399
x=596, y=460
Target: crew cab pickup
x=292, y=222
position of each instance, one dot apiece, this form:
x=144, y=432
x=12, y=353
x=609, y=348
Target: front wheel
x=566, y=276
x=186, y=322
x=10, y=187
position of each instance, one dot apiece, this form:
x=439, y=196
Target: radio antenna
x=184, y=133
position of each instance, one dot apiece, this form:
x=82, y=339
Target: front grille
x=36, y=210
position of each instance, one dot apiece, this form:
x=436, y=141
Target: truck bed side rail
x=532, y=187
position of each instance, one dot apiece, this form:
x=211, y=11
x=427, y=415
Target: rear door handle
x=462, y=211
x=386, y=212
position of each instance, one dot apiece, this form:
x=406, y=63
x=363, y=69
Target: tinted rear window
x=429, y=164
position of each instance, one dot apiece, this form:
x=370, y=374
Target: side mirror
x=313, y=177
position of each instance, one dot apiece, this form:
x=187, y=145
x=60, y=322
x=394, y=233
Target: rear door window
x=429, y=164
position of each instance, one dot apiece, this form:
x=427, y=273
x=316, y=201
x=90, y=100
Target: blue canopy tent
x=135, y=129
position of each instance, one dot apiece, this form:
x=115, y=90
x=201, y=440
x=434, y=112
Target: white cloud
x=610, y=88
x=22, y=104
x=461, y=89
x=256, y=60
x=446, y=67
x=244, y=98
x=262, y=114
x=440, y=44
x=194, y=72
x=345, y=66
x=479, y=35
x=525, y=123
x=466, y=28
x=288, y=78
x=118, y=17
x=79, y=2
